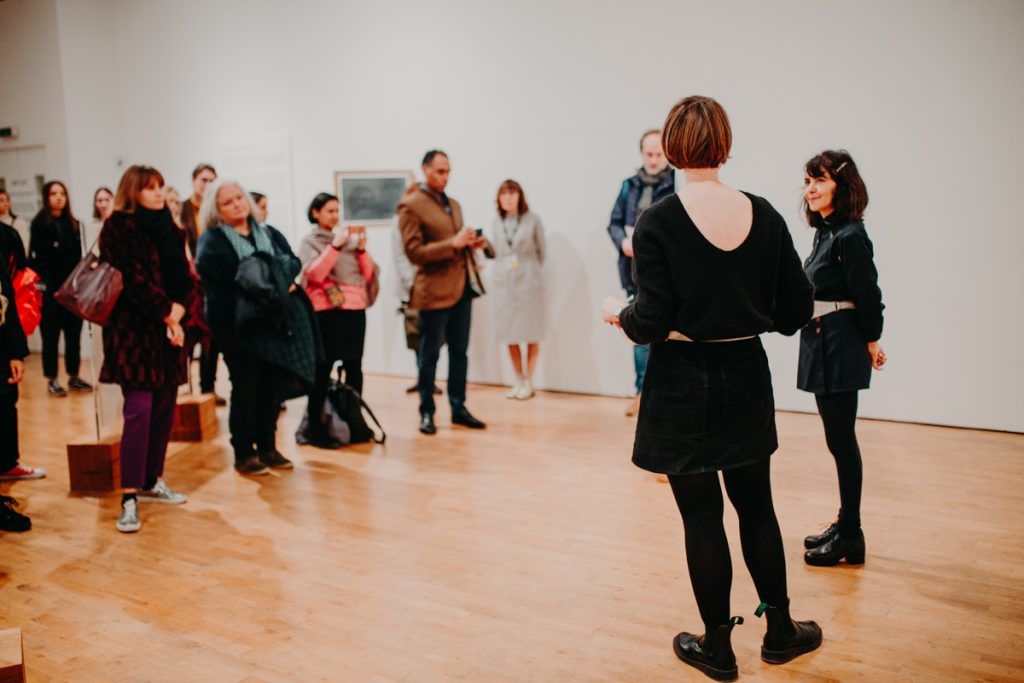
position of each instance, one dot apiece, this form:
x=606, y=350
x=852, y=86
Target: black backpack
x=349, y=406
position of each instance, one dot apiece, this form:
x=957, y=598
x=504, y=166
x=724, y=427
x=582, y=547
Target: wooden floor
x=533, y=551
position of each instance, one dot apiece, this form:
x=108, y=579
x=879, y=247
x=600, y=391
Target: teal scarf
x=243, y=247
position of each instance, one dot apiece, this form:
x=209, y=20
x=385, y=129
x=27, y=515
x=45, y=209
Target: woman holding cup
x=340, y=278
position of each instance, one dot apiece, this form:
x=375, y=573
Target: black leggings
x=699, y=497
x=839, y=415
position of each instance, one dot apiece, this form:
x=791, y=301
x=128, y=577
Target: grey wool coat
x=517, y=286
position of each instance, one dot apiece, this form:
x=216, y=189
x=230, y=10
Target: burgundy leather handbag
x=92, y=289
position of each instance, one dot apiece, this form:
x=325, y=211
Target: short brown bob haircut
x=697, y=134
x=135, y=180
x=512, y=186
x=851, y=195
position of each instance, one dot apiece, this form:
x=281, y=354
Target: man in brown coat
x=444, y=287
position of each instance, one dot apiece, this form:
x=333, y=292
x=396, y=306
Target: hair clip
x=841, y=167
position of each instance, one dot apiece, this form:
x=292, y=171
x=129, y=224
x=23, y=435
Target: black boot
x=710, y=653
x=835, y=550
x=785, y=638
x=823, y=537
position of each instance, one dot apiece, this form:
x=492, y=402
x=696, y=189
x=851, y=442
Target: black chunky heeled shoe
x=835, y=550
x=785, y=638
x=710, y=653
x=822, y=538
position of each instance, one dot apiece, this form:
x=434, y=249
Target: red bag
x=28, y=299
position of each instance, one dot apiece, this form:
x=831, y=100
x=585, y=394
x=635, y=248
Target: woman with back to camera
x=840, y=347
x=715, y=268
x=337, y=274
x=55, y=248
x=518, y=288
x=230, y=235
x=143, y=344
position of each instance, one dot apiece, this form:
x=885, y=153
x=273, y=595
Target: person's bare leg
x=516, y=355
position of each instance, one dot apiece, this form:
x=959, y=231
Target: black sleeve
x=794, y=295
x=12, y=336
x=856, y=256
x=36, y=240
x=649, y=318
x=177, y=278
x=216, y=262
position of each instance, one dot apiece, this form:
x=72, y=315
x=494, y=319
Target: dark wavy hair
x=851, y=195
x=318, y=203
x=66, y=214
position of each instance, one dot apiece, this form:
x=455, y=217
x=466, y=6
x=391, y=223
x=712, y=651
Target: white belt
x=679, y=336
x=825, y=307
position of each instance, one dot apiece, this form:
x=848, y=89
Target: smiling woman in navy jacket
x=840, y=346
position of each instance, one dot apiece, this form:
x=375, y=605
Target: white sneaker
x=525, y=391
x=514, y=391
x=129, y=522
x=161, y=493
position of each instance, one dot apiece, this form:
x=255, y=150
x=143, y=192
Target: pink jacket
x=318, y=279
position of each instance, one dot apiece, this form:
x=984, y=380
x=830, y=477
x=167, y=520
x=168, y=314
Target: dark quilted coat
x=137, y=353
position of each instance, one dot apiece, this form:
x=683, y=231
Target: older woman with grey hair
x=255, y=313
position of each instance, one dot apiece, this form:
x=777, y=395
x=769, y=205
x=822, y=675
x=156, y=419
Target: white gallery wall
x=926, y=95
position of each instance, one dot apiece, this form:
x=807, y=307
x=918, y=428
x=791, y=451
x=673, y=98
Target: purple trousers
x=148, y=417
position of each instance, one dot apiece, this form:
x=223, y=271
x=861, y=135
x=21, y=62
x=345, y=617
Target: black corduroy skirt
x=705, y=407
x=834, y=357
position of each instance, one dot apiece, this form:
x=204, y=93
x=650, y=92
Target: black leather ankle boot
x=710, y=653
x=836, y=549
x=785, y=638
x=822, y=538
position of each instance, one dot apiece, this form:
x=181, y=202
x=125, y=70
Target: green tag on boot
x=760, y=609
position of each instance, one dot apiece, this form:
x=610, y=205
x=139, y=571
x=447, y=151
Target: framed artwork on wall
x=369, y=197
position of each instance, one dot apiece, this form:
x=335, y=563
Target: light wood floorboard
x=533, y=551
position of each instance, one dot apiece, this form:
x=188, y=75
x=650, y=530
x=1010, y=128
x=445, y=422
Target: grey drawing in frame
x=370, y=197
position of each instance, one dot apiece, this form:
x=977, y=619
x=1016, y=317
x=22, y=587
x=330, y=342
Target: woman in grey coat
x=518, y=288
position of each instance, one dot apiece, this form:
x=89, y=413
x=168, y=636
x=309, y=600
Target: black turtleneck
x=841, y=267
x=166, y=237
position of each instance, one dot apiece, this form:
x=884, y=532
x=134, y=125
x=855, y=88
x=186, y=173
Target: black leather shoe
x=823, y=537
x=464, y=418
x=251, y=466
x=275, y=460
x=427, y=424
x=836, y=549
x=710, y=653
x=786, y=639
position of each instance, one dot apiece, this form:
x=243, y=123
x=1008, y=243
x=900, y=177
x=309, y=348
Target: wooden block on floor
x=195, y=418
x=95, y=467
x=12, y=656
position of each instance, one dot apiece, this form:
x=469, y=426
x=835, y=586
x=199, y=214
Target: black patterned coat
x=137, y=353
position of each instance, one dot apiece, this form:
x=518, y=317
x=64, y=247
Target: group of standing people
x=714, y=268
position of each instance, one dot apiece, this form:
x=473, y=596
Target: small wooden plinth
x=95, y=467
x=12, y=656
x=195, y=418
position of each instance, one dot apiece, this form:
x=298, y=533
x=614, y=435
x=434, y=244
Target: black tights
x=839, y=415
x=699, y=497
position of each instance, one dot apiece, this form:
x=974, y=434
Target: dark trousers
x=839, y=416
x=437, y=328
x=8, y=428
x=343, y=334
x=254, y=406
x=209, y=357
x=148, y=417
x=699, y=498
x=57, y=320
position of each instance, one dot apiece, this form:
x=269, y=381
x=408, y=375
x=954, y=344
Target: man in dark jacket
x=654, y=181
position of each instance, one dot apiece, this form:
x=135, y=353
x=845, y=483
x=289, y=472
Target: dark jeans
x=343, y=334
x=641, y=353
x=209, y=356
x=148, y=417
x=8, y=427
x=57, y=320
x=699, y=498
x=252, y=418
x=839, y=416
x=437, y=328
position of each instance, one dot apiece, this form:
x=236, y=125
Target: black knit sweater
x=686, y=284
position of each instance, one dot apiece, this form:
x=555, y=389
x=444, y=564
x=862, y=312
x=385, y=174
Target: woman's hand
x=176, y=314
x=175, y=334
x=362, y=242
x=17, y=371
x=610, y=310
x=627, y=246
x=878, y=357
x=340, y=237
